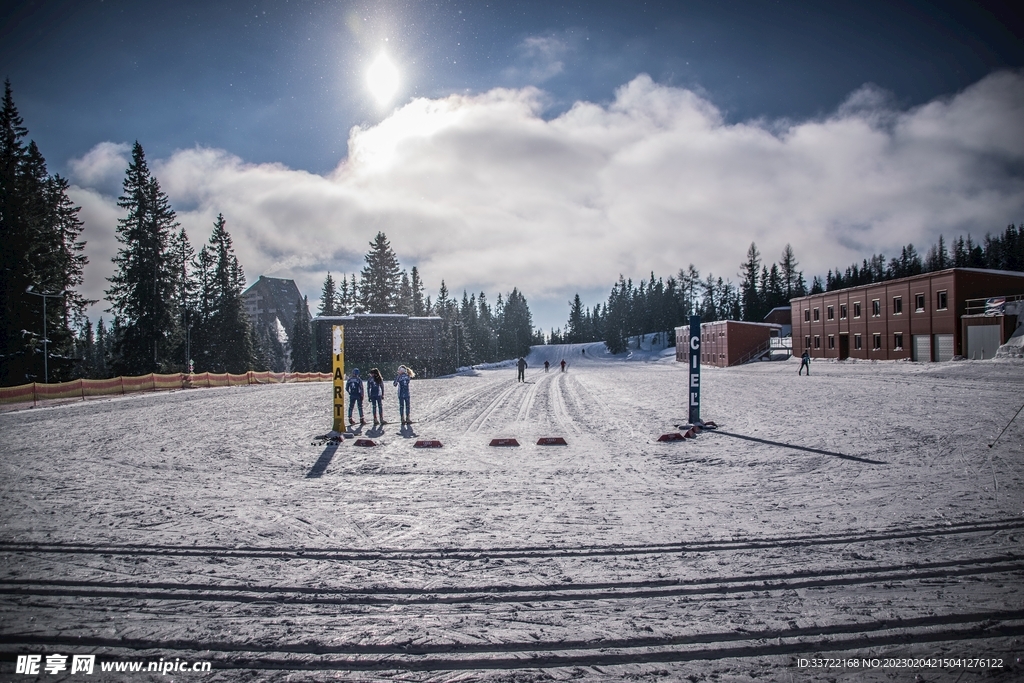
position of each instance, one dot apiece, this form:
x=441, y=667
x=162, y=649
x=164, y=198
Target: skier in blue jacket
x=354, y=387
x=375, y=392
x=402, y=382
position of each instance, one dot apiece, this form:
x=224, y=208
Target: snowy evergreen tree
x=142, y=292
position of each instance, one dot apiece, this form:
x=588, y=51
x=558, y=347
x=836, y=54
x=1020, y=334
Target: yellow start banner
x=338, y=353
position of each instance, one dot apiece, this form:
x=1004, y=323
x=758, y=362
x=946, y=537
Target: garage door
x=982, y=341
x=943, y=347
x=922, y=348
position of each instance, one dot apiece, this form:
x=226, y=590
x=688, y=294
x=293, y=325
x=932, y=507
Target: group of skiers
x=521, y=366
x=375, y=392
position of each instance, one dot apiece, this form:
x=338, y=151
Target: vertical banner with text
x=338, y=356
x=693, y=391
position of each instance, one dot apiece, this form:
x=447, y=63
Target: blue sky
x=525, y=135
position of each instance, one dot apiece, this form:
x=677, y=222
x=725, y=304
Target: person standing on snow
x=521, y=364
x=563, y=365
x=402, y=382
x=354, y=387
x=375, y=392
x=805, y=362
x=546, y=366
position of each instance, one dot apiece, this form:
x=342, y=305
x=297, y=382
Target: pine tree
x=380, y=277
x=15, y=362
x=102, y=350
x=418, y=306
x=329, y=297
x=303, y=357
x=574, y=332
x=515, y=331
x=403, y=304
x=790, y=275
x=183, y=259
x=142, y=292
x=39, y=231
x=230, y=342
x=748, y=287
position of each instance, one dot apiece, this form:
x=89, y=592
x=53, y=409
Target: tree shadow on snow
x=320, y=466
x=800, y=448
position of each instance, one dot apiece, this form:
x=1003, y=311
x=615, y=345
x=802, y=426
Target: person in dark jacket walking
x=521, y=364
x=563, y=365
x=805, y=362
x=375, y=392
x=354, y=388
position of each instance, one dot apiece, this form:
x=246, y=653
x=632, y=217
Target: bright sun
x=382, y=79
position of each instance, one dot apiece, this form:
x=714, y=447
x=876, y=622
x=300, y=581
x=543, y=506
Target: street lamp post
x=46, y=355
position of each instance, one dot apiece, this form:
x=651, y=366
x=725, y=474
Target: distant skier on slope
x=563, y=365
x=402, y=382
x=354, y=387
x=521, y=364
x=546, y=366
x=805, y=362
x=375, y=392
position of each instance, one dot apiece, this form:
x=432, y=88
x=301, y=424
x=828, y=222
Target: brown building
x=728, y=342
x=917, y=318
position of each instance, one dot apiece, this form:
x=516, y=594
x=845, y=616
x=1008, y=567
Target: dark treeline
x=472, y=331
x=998, y=252
x=658, y=305
x=41, y=253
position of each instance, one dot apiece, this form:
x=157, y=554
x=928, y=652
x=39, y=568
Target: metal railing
x=979, y=306
x=756, y=353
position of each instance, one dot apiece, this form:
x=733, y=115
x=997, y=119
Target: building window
x=807, y=315
x=842, y=311
x=830, y=313
x=817, y=315
x=876, y=308
x=856, y=309
x=919, y=303
x=897, y=305
x=831, y=341
x=942, y=300
x=897, y=341
x=877, y=341
x=807, y=342
x=817, y=341
x=856, y=342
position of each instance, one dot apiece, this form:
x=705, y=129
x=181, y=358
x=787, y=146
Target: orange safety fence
x=82, y=388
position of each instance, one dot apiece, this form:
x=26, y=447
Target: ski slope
x=857, y=511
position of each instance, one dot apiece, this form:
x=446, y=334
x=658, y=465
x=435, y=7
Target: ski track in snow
x=204, y=525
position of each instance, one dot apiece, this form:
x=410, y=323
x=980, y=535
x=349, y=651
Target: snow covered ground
x=855, y=512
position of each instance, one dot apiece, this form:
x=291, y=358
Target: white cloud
x=538, y=59
x=484, y=192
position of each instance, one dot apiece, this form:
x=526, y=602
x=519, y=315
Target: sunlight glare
x=382, y=79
